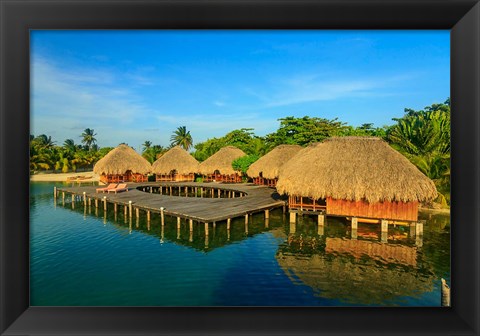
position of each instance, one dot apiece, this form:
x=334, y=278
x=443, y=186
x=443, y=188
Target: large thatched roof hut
x=122, y=164
x=355, y=176
x=218, y=167
x=264, y=171
x=175, y=165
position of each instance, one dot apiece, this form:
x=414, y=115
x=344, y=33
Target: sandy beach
x=62, y=177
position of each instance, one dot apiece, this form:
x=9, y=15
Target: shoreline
x=63, y=177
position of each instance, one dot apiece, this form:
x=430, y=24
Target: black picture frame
x=17, y=17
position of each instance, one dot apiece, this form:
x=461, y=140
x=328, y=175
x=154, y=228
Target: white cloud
x=65, y=99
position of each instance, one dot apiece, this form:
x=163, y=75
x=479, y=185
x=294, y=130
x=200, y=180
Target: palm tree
x=146, y=145
x=88, y=138
x=44, y=141
x=69, y=146
x=181, y=137
x=153, y=153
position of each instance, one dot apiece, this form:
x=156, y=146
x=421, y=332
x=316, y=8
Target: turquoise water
x=85, y=257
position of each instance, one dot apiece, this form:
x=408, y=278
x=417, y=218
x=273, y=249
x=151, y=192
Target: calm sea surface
x=84, y=257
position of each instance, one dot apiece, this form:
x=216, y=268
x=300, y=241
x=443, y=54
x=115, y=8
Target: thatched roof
x=354, y=168
x=270, y=163
x=177, y=159
x=221, y=161
x=121, y=159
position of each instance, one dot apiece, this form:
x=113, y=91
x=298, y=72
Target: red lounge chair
x=120, y=187
x=110, y=186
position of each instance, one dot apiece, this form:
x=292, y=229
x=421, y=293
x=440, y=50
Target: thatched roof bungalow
x=175, y=165
x=218, y=167
x=264, y=171
x=122, y=164
x=355, y=176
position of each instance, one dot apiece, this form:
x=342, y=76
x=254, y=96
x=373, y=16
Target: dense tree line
x=422, y=136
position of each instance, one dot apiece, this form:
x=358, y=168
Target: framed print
x=288, y=268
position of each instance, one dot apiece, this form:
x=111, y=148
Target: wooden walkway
x=201, y=209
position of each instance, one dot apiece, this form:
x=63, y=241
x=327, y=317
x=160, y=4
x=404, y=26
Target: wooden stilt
x=321, y=220
x=162, y=216
x=293, y=217
x=178, y=222
x=218, y=193
x=293, y=227
x=384, y=237
x=55, y=193
x=115, y=208
x=130, y=214
x=190, y=236
x=190, y=224
x=84, y=198
x=104, y=203
x=206, y=229
x=228, y=223
x=89, y=202
x=321, y=230
x=125, y=210
x=384, y=225
x=267, y=222
x=148, y=216
x=73, y=198
x=137, y=212
x=267, y=214
x=354, y=223
x=419, y=229
x=63, y=196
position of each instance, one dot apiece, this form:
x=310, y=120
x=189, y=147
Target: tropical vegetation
x=422, y=136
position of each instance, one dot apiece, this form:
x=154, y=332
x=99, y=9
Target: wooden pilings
x=445, y=294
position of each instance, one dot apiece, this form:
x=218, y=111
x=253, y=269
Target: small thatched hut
x=361, y=177
x=175, y=165
x=264, y=171
x=218, y=167
x=122, y=164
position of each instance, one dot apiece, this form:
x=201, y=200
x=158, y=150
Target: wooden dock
x=200, y=202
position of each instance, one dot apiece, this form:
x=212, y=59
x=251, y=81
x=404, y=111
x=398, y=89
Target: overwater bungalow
x=122, y=164
x=264, y=171
x=358, y=177
x=218, y=167
x=175, y=165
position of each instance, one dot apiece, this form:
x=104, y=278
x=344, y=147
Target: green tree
x=302, y=131
x=152, y=153
x=243, y=163
x=88, y=138
x=424, y=138
x=181, y=137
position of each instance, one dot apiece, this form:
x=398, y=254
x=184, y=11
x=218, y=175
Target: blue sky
x=132, y=86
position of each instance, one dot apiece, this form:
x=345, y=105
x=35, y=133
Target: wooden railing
x=306, y=203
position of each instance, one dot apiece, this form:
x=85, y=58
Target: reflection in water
x=303, y=263
x=361, y=267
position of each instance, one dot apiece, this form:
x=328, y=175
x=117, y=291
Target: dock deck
x=201, y=209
